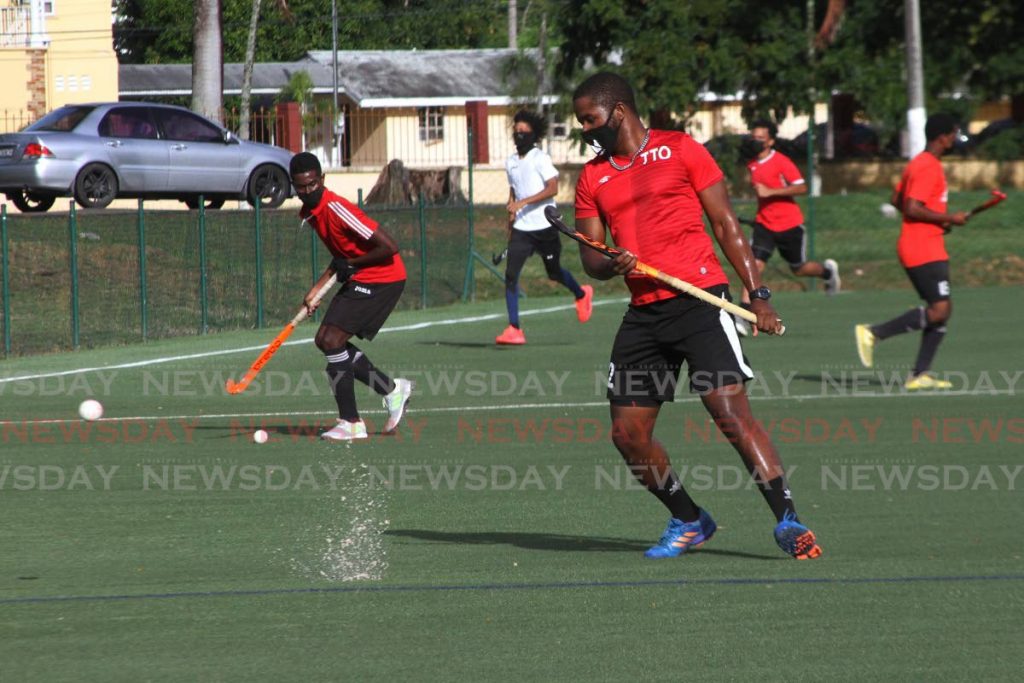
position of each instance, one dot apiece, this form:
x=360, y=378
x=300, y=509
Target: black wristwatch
x=761, y=293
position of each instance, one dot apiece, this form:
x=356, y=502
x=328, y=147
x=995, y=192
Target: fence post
x=359, y=199
x=467, y=285
x=259, y=266
x=5, y=276
x=204, y=311
x=73, y=258
x=423, y=251
x=143, y=287
x=810, y=195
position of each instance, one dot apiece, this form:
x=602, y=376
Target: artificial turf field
x=523, y=559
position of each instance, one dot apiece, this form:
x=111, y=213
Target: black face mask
x=523, y=141
x=750, y=148
x=312, y=200
x=604, y=136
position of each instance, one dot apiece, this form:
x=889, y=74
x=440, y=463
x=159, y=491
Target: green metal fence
x=93, y=278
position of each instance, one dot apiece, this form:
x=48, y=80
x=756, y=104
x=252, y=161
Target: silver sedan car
x=98, y=152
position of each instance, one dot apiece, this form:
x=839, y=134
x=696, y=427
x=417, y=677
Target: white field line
x=508, y=406
x=306, y=340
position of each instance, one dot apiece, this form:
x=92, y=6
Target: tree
x=247, y=65
x=207, y=61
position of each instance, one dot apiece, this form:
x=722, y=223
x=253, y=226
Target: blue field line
x=571, y=585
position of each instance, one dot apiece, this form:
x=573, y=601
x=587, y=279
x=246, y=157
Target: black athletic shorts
x=522, y=244
x=792, y=244
x=360, y=308
x=931, y=280
x=655, y=340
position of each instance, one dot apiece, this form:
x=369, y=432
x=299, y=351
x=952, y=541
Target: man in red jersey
x=372, y=277
x=650, y=188
x=779, y=221
x=921, y=196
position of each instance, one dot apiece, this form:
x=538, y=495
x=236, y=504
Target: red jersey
x=923, y=180
x=652, y=209
x=774, y=171
x=346, y=231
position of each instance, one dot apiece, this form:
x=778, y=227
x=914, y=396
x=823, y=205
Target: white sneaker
x=346, y=431
x=395, y=403
x=832, y=284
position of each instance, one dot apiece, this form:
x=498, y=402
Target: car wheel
x=95, y=186
x=210, y=203
x=30, y=202
x=268, y=185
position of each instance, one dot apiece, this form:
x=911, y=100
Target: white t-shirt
x=527, y=176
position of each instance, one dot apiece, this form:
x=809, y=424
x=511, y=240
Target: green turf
x=526, y=582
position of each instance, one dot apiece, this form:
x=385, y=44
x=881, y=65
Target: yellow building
x=54, y=52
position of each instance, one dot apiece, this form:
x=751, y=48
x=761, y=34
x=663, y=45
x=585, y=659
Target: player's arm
x=897, y=197
x=915, y=210
x=730, y=237
x=794, y=190
x=382, y=248
x=550, y=190
x=511, y=212
x=596, y=264
x=307, y=301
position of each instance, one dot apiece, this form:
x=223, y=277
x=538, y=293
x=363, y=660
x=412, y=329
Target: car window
x=127, y=122
x=61, y=120
x=183, y=125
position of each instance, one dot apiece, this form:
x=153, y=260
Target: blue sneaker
x=795, y=539
x=680, y=536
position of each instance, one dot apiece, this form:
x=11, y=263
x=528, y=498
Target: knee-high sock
x=931, y=337
x=367, y=373
x=914, y=319
x=339, y=373
x=512, y=303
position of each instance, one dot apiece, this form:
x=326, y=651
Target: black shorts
x=931, y=280
x=522, y=244
x=655, y=340
x=360, y=308
x=792, y=244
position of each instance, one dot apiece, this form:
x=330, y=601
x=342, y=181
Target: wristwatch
x=761, y=293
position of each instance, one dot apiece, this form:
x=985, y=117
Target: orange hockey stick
x=234, y=387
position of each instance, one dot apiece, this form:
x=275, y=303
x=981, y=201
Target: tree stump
x=400, y=186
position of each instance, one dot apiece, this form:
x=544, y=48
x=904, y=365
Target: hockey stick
x=997, y=197
x=551, y=213
x=234, y=387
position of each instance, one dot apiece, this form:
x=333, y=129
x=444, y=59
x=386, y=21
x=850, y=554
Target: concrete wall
x=961, y=174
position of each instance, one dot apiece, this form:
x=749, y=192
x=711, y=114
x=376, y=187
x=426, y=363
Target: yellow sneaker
x=865, y=344
x=926, y=381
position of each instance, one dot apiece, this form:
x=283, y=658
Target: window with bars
x=431, y=120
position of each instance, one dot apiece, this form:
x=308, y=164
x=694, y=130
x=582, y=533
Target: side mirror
x=229, y=138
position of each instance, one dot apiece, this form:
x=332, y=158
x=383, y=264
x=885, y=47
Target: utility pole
x=914, y=141
x=513, y=23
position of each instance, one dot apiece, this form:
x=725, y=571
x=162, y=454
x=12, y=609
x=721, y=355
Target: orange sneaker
x=585, y=306
x=511, y=336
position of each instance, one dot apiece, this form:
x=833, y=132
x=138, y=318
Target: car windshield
x=61, y=120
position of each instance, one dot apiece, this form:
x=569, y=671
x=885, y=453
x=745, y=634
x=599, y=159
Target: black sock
x=776, y=494
x=914, y=319
x=365, y=371
x=673, y=496
x=339, y=373
x=930, y=340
